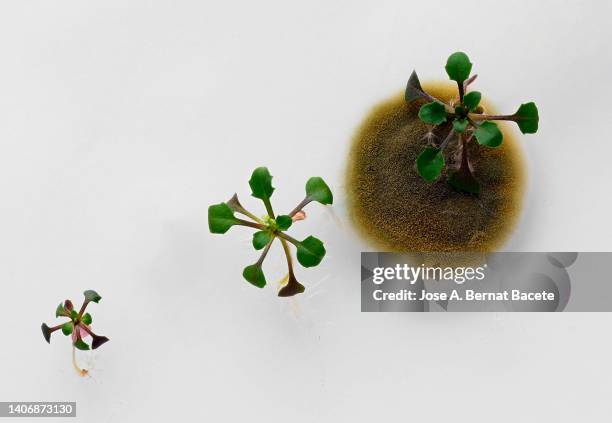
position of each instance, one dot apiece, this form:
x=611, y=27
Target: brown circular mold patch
x=394, y=208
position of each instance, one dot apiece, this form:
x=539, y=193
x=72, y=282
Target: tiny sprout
x=310, y=251
x=78, y=325
x=467, y=121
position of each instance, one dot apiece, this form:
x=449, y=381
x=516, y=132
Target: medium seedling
x=310, y=251
x=78, y=326
x=464, y=120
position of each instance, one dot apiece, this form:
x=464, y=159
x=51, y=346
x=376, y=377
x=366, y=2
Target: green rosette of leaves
x=467, y=123
x=271, y=227
x=78, y=325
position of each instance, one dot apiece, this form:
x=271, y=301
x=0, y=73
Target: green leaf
x=254, y=275
x=73, y=314
x=430, y=163
x=471, y=100
x=458, y=67
x=60, y=310
x=292, y=287
x=460, y=110
x=317, y=190
x=81, y=345
x=87, y=319
x=67, y=328
x=464, y=181
x=46, y=331
x=527, y=118
x=261, y=239
x=93, y=296
x=459, y=125
x=310, y=252
x=220, y=218
x=488, y=134
x=413, y=88
x=432, y=113
x=261, y=183
x=283, y=222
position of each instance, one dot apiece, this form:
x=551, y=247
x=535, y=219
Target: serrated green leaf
x=459, y=125
x=220, y=218
x=458, y=67
x=261, y=183
x=413, y=88
x=91, y=295
x=464, y=181
x=81, y=345
x=292, y=287
x=430, y=163
x=488, y=134
x=87, y=319
x=67, y=328
x=254, y=275
x=261, y=239
x=471, y=100
x=283, y=222
x=310, y=252
x=432, y=113
x=527, y=118
x=317, y=190
x=60, y=310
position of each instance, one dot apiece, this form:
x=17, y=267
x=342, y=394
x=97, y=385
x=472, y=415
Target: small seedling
x=78, y=326
x=310, y=251
x=464, y=121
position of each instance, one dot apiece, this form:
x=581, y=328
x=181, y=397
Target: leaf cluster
x=465, y=121
x=310, y=251
x=78, y=322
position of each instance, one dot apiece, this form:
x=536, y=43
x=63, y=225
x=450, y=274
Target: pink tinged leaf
x=68, y=305
x=301, y=215
x=83, y=332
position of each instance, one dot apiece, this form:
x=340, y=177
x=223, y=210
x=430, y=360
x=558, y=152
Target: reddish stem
x=83, y=307
x=461, y=91
x=300, y=206
x=476, y=117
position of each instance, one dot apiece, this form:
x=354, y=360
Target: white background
x=121, y=121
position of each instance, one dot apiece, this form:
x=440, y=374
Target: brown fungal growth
x=394, y=208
